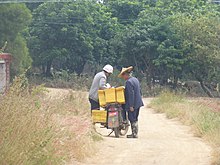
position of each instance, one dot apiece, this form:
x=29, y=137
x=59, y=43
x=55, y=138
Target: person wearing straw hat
x=133, y=99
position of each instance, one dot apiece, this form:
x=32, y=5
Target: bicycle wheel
x=123, y=129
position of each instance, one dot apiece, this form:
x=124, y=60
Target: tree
x=153, y=43
x=71, y=33
x=152, y=47
x=203, y=44
x=125, y=10
x=14, y=21
x=157, y=37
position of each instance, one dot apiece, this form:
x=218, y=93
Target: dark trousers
x=94, y=104
x=124, y=115
x=133, y=116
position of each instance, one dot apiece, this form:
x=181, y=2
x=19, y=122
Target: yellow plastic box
x=102, y=101
x=110, y=95
x=99, y=116
x=120, y=96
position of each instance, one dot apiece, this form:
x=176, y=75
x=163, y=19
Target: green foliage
x=4, y=47
x=159, y=38
x=203, y=48
x=71, y=34
x=14, y=19
x=163, y=42
x=126, y=11
x=21, y=57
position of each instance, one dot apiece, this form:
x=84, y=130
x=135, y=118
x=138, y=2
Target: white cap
x=108, y=68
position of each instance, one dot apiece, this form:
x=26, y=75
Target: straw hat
x=123, y=70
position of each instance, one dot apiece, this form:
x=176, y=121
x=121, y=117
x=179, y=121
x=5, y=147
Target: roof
x=5, y=56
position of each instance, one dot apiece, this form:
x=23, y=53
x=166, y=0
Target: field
x=53, y=126
x=201, y=114
x=43, y=126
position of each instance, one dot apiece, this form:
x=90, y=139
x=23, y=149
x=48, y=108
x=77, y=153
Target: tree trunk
x=206, y=90
x=175, y=82
x=148, y=71
x=204, y=87
x=43, y=69
x=48, y=68
x=80, y=68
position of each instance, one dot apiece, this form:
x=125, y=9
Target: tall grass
x=38, y=129
x=204, y=121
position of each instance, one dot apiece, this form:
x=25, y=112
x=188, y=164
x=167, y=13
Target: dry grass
x=37, y=129
x=204, y=121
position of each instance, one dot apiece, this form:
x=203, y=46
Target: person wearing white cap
x=99, y=82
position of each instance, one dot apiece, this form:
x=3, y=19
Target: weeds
x=36, y=128
x=205, y=121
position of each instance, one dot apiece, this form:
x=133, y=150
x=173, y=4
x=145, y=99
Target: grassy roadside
x=37, y=129
x=204, y=121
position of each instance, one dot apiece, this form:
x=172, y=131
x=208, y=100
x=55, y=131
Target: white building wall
x=2, y=76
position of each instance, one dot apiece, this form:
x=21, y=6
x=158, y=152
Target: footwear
x=132, y=136
x=134, y=129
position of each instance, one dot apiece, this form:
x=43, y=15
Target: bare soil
x=161, y=142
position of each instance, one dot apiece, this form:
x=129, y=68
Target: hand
x=132, y=109
x=108, y=86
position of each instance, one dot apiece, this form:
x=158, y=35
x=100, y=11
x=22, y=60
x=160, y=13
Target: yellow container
x=120, y=96
x=102, y=101
x=99, y=116
x=110, y=95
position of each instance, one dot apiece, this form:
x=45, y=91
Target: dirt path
x=161, y=142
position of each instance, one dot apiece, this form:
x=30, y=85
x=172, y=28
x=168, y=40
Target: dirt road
x=161, y=142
